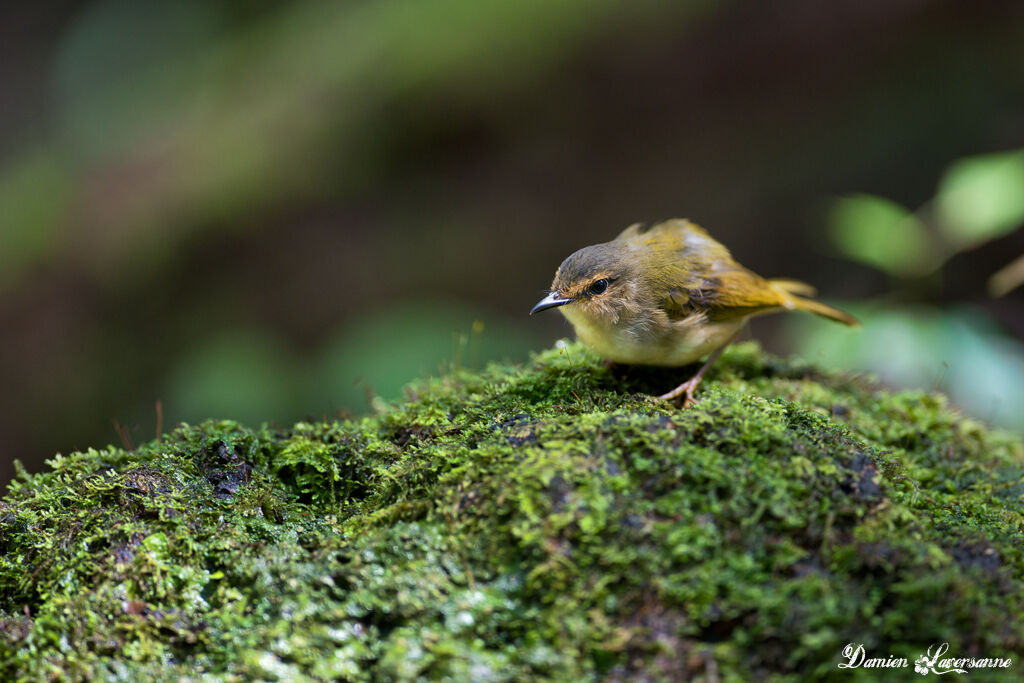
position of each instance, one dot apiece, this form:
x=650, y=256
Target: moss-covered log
x=547, y=522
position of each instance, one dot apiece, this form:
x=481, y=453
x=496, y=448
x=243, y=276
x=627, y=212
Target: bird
x=668, y=294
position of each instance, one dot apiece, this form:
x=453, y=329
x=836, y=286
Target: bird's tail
x=793, y=292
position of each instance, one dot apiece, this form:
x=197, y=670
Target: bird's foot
x=684, y=390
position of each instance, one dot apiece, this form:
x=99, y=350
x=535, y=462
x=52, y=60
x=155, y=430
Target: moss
x=544, y=522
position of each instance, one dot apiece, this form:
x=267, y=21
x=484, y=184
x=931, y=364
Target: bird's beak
x=552, y=300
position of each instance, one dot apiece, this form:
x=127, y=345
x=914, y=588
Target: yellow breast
x=673, y=343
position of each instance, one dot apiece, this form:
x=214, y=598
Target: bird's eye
x=599, y=286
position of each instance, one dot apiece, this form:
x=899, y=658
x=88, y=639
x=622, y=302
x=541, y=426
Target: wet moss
x=541, y=522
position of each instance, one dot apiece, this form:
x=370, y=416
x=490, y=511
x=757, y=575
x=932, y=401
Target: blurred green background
x=271, y=211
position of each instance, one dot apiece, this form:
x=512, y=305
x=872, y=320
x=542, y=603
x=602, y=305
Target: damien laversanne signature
x=932, y=662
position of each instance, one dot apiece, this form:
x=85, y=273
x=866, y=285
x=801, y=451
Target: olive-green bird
x=668, y=294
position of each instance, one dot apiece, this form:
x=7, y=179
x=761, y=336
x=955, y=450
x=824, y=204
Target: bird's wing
x=677, y=235
x=697, y=274
x=740, y=292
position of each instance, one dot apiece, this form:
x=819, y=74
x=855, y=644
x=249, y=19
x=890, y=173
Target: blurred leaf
x=982, y=197
x=385, y=350
x=250, y=376
x=986, y=369
x=1007, y=278
x=882, y=234
x=959, y=352
x=126, y=69
x=34, y=193
x=245, y=375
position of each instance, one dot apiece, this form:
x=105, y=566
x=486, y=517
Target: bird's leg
x=689, y=386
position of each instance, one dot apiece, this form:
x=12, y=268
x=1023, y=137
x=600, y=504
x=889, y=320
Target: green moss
x=546, y=522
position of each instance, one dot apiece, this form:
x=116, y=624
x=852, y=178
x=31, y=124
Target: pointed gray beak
x=552, y=300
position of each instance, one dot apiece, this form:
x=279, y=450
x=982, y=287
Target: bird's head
x=597, y=284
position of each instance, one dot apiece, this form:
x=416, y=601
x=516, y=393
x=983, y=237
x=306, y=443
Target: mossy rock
x=549, y=522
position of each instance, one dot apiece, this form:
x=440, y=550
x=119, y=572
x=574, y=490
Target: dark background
x=274, y=211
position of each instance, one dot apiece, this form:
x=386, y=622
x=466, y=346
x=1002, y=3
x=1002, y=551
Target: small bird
x=668, y=294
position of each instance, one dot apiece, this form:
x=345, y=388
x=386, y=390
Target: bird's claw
x=685, y=390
